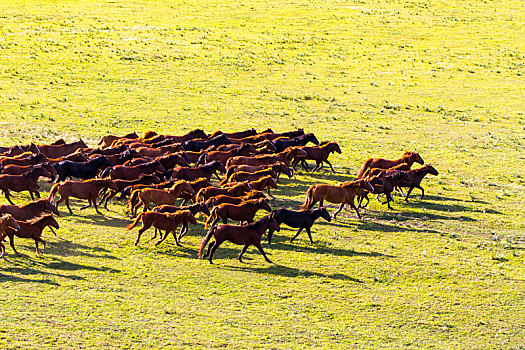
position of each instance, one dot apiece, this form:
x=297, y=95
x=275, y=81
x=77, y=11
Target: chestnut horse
x=278, y=168
x=242, y=235
x=107, y=140
x=30, y=210
x=21, y=169
x=6, y=222
x=31, y=229
x=414, y=178
x=122, y=184
x=240, y=176
x=222, y=156
x=407, y=157
x=158, y=196
x=319, y=154
x=55, y=151
x=133, y=172
x=25, y=182
x=162, y=221
x=286, y=157
x=206, y=170
x=194, y=209
x=344, y=194
x=214, y=201
x=239, y=212
x=88, y=189
x=238, y=189
x=32, y=159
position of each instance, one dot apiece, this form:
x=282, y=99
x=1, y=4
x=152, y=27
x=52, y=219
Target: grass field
x=444, y=78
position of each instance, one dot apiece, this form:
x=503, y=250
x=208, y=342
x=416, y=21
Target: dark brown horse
x=236, y=190
x=157, y=196
x=31, y=229
x=31, y=159
x=162, y=221
x=25, y=182
x=239, y=212
x=55, y=151
x=214, y=201
x=122, y=184
x=286, y=157
x=133, y=172
x=206, y=171
x=319, y=154
x=6, y=222
x=194, y=209
x=21, y=169
x=407, y=157
x=30, y=210
x=414, y=178
x=88, y=189
x=343, y=194
x=241, y=235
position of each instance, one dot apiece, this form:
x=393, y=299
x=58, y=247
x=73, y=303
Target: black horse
x=298, y=219
x=198, y=145
x=282, y=144
x=87, y=170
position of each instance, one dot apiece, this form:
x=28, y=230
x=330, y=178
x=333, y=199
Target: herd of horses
x=161, y=170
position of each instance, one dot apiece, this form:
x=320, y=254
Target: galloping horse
x=162, y=221
x=25, y=182
x=319, y=154
x=242, y=235
x=206, y=170
x=407, y=157
x=239, y=212
x=299, y=219
x=344, y=194
x=31, y=229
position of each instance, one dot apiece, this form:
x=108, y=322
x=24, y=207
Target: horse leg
x=6, y=193
x=217, y=176
x=43, y=243
x=269, y=194
x=36, y=247
x=297, y=234
x=154, y=234
x=331, y=167
x=67, y=205
x=352, y=204
x=304, y=165
x=339, y=210
x=141, y=231
x=31, y=194
x=183, y=230
x=408, y=193
x=88, y=205
x=422, y=191
x=164, y=237
x=388, y=198
x=270, y=234
x=94, y=201
x=12, y=244
x=209, y=249
x=259, y=246
x=320, y=204
x=242, y=252
x=213, y=249
x=309, y=234
x=37, y=194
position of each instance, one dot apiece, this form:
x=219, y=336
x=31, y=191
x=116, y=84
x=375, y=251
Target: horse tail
x=53, y=191
x=129, y=227
x=308, y=199
x=212, y=217
x=133, y=199
x=106, y=172
x=364, y=167
x=206, y=240
x=201, y=159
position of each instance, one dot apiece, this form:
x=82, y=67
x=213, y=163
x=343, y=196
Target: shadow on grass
x=287, y=271
x=6, y=278
x=64, y=247
x=319, y=249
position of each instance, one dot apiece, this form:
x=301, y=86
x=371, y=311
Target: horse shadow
x=64, y=247
x=282, y=243
x=287, y=271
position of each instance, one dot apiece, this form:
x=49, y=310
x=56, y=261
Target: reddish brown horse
x=206, y=170
x=107, y=140
x=407, y=157
x=194, y=209
x=21, y=169
x=88, y=189
x=236, y=190
x=30, y=210
x=122, y=184
x=286, y=157
x=239, y=212
x=133, y=172
x=241, y=235
x=319, y=154
x=31, y=159
x=157, y=196
x=343, y=194
x=377, y=171
x=222, y=156
x=278, y=168
x=56, y=151
x=7, y=222
x=31, y=229
x=414, y=178
x=162, y=221
x=214, y=201
x=240, y=176
x=25, y=182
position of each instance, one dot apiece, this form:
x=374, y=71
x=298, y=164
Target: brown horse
x=88, y=189
x=414, y=178
x=319, y=154
x=390, y=179
x=122, y=184
x=25, y=182
x=241, y=235
x=239, y=212
x=55, y=151
x=30, y=210
x=21, y=169
x=7, y=222
x=107, y=140
x=162, y=221
x=222, y=156
x=343, y=194
x=133, y=172
x=238, y=189
x=206, y=170
x=278, y=168
x=240, y=176
x=264, y=183
x=286, y=156
x=215, y=201
x=157, y=196
x=407, y=157
x=197, y=185
x=32, y=159
x=377, y=171
x=157, y=152
x=194, y=209
x=31, y=229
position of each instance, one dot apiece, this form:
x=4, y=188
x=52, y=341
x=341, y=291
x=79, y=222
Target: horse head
x=323, y=212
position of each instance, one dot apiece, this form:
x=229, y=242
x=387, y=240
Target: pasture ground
x=444, y=78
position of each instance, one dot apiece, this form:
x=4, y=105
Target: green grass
x=442, y=77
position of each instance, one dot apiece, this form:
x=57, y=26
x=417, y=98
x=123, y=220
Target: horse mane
x=262, y=220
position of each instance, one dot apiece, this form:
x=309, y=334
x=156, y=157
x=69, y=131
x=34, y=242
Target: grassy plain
x=442, y=77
